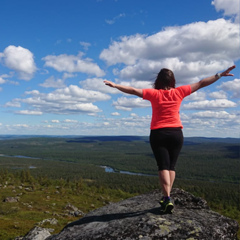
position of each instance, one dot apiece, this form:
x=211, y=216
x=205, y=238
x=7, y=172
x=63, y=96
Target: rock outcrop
x=140, y=218
x=37, y=233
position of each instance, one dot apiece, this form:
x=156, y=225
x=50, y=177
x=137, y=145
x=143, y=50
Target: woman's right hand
x=109, y=83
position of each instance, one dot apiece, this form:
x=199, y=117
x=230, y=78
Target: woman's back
x=165, y=105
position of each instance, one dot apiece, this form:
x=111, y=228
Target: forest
x=207, y=167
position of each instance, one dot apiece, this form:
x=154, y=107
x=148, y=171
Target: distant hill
x=125, y=138
x=211, y=140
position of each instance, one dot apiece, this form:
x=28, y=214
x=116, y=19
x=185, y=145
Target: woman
x=166, y=136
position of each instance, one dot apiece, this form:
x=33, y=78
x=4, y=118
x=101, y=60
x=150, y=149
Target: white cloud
x=229, y=7
x=132, y=125
x=134, y=115
x=14, y=103
x=69, y=100
x=233, y=86
x=55, y=121
x=85, y=45
x=2, y=81
x=97, y=84
x=196, y=49
x=21, y=125
x=70, y=121
x=82, y=95
x=52, y=83
x=206, y=104
x=139, y=84
x=218, y=95
x=124, y=103
x=212, y=123
x=20, y=60
x=28, y=112
x=127, y=50
x=196, y=96
x=68, y=75
x=71, y=63
x=214, y=114
x=113, y=20
x=115, y=114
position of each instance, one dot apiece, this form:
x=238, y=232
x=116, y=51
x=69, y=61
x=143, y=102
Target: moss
x=164, y=229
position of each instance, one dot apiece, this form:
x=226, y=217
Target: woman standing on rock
x=166, y=136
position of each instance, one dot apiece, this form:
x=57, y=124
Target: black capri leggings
x=166, y=144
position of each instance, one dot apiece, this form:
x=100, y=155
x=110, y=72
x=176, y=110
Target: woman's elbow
x=138, y=92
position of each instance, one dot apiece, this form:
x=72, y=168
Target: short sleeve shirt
x=166, y=105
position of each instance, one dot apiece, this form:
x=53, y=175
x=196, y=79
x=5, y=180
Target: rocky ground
x=140, y=218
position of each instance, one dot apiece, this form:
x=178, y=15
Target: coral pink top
x=166, y=105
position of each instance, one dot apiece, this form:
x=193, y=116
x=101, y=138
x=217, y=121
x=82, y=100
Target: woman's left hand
x=227, y=72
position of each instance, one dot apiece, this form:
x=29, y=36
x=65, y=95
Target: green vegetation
x=66, y=170
x=43, y=198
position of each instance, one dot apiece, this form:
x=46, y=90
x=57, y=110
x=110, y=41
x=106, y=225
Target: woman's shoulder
x=149, y=93
x=184, y=90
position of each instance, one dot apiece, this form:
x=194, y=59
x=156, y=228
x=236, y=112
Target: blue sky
x=54, y=56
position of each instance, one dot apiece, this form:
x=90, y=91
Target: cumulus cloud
x=196, y=96
x=218, y=95
x=2, y=80
x=69, y=100
x=210, y=104
x=124, y=103
x=133, y=125
x=233, y=86
x=21, y=125
x=214, y=114
x=51, y=82
x=55, y=121
x=71, y=64
x=14, y=103
x=229, y=8
x=98, y=85
x=70, y=121
x=28, y=112
x=20, y=60
x=115, y=114
x=196, y=49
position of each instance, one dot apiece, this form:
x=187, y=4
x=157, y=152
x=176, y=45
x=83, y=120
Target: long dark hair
x=165, y=79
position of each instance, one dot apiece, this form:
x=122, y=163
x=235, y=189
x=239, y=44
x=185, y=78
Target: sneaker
x=166, y=206
x=161, y=201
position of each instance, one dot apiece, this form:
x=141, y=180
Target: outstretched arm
x=209, y=80
x=125, y=89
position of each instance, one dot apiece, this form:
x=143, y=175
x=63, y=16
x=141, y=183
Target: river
x=111, y=170
x=107, y=168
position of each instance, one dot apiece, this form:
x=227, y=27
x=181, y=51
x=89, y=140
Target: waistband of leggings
x=167, y=129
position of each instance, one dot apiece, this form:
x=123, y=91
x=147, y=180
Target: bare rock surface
x=140, y=218
x=11, y=199
x=37, y=233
